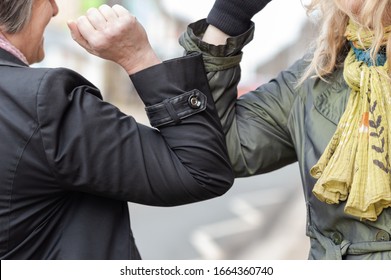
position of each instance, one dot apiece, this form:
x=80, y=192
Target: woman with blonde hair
x=330, y=111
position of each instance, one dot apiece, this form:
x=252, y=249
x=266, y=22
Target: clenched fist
x=113, y=33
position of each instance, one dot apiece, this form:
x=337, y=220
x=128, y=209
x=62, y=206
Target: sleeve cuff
x=216, y=58
x=173, y=90
x=234, y=46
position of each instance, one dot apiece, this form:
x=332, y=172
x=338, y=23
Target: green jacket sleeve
x=256, y=125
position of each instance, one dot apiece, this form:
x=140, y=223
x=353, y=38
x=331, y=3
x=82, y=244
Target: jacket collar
x=330, y=98
x=8, y=59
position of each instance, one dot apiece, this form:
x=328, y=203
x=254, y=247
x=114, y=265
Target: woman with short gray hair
x=70, y=161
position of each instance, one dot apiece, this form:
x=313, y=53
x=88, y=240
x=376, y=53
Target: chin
x=38, y=58
x=39, y=54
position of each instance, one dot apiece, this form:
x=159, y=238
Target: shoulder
x=41, y=81
x=60, y=84
x=313, y=86
x=60, y=77
x=59, y=89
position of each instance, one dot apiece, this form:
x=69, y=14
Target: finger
x=126, y=19
x=73, y=29
x=108, y=13
x=76, y=35
x=97, y=20
x=120, y=11
x=86, y=29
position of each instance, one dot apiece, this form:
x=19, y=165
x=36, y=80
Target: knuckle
x=104, y=8
x=128, y=21
x=91, y=11
x=98, y=42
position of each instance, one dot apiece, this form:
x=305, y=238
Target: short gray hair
x=14, y=14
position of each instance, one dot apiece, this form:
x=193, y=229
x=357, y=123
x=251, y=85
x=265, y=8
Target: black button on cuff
x=194, y=102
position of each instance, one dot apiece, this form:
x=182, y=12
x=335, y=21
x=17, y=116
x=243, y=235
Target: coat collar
x=330, y=98
x=8, y=59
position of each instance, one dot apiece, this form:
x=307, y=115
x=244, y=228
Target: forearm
x=222, y=64
x=179, y=104
x=109, y=154
x=246, y=145
x=223, y=69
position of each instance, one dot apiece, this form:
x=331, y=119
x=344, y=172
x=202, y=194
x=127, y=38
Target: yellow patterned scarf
x=356, y=165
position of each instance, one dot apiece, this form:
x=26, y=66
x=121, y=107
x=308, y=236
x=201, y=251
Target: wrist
x=215, y=36
x=144, y=61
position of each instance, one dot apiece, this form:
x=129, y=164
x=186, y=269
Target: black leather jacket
x=70, y=161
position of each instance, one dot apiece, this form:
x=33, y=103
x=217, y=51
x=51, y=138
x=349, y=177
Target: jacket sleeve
x=256, y=124
x=92, y=147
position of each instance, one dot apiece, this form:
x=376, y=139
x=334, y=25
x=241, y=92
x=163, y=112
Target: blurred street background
x=262, y=217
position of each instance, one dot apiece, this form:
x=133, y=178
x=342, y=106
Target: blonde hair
x=331, y=46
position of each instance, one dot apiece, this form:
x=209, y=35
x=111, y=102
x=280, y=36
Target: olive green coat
x=280, y=123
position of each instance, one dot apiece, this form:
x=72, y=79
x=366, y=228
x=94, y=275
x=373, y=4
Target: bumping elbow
x=217, y=184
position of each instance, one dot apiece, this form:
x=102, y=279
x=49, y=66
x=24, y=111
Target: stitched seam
x=52, y=170
x=12, y=184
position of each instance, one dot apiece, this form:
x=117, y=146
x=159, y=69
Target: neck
x=7, y=44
